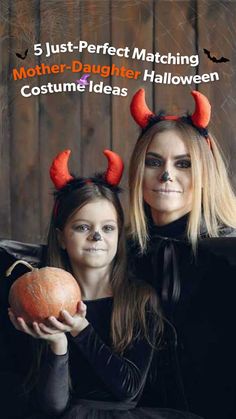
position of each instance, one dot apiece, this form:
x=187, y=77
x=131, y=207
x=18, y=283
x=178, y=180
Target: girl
x=180, y=198
x=105, y=350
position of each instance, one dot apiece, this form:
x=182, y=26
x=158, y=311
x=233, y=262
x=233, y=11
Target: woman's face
x=90, y=236
x=171, y=199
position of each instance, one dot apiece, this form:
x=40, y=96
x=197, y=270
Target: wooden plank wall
x=35, y=129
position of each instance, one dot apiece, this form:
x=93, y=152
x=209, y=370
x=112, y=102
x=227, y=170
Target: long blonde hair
x=213, y=196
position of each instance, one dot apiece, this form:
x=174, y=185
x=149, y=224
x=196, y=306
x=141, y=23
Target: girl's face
x=172, y=199
x=90, y=236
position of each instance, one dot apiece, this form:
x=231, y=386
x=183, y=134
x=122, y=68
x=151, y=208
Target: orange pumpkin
x=44, y=292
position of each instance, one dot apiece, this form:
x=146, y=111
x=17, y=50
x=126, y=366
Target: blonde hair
x=213, y=196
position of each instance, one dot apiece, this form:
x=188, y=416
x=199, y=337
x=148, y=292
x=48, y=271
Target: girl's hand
x=54, y=328
x=74, y=324
x=55, y=337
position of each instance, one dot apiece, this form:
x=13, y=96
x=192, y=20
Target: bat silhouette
x=22, y=56
x=214, y=59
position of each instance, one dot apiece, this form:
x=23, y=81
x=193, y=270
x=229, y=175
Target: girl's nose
x=96, y=236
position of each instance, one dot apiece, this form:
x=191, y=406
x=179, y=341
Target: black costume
x=97, y=373
x=197, y=368
x=104, y=384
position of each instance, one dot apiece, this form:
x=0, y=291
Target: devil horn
x=59, y=172
x=115, y=168
x=139, y=109
x=202, y=113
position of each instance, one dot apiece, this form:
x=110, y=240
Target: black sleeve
x=51, y=394
x=123, y=375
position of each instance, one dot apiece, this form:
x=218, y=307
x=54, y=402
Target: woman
x=105, y=350
x=180, y=199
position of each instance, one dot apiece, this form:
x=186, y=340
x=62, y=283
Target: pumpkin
x=44, y=292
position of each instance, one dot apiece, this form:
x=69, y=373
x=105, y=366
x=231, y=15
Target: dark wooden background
x=35, y=129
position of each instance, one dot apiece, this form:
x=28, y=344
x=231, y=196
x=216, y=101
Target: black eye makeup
x=180, y=162
x=153, y=162
x=183, y=164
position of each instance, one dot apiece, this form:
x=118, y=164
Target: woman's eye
x=81, y=227
x=152, y=162
x=107, y=228
x=183, y=164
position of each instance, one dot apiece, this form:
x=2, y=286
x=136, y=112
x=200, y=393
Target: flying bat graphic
x=83, y=79
x=22, y=56
x=214, y=59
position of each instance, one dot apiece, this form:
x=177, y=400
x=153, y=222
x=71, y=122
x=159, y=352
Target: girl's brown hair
x=135, y=303
x=131, y=299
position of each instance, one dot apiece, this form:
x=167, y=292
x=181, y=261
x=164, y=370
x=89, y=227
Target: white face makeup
x=168, y=199
x=90, y=236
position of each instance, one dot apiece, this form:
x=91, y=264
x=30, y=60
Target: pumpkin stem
x=23, y=262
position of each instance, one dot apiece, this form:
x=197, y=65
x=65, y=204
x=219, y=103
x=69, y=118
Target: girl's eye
x=183, y=164
x=152, y=162
x=81, y=227
x=107, y=228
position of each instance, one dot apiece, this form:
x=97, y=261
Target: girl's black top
x=96, y=371
x=91, y=366
x=197, y=369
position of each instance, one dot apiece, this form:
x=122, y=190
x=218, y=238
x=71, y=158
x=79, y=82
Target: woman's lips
x=166, y=191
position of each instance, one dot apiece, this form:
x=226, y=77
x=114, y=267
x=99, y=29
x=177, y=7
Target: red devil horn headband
x=115, y=168
x=142, y=114
x=60, y=174
x=202, y=114
x=139, y=109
